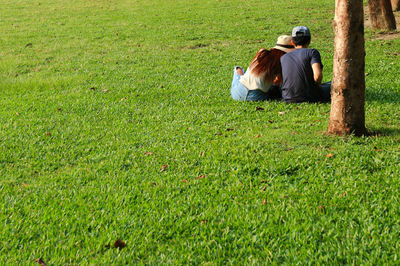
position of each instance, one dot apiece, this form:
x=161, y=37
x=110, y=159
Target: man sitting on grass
x=302, y=71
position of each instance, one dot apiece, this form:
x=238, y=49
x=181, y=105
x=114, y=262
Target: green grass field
x=116, y=122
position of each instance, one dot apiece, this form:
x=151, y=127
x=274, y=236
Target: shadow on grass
x=388, y=96
x=382, y=131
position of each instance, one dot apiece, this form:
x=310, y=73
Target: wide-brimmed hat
x=284, y=43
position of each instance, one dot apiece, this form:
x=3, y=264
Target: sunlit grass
x=116, y=123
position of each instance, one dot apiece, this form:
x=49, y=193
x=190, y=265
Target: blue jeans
x=239, y=92
x=326, y=92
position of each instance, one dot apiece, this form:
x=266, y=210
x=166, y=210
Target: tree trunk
x=348, y=84
x=396, y=5
x=388, y=14
x=381, y=14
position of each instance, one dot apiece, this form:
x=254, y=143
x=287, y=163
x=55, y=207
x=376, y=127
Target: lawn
x=116, y=122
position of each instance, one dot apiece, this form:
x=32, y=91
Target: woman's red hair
x=268, y=62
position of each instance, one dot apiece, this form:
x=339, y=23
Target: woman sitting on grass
x=264, y=75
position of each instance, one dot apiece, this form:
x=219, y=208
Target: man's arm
x=317, y=70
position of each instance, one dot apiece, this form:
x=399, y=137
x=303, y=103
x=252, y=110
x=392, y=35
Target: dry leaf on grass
x=163, y=167
x=264, y=201
x=41, y=261
x=329, y=155
x=119, y=244
x=201, y=177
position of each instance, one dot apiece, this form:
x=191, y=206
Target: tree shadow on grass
x=383, y=131
x=382, y=96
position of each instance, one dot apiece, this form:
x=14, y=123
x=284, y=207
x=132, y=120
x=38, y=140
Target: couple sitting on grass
x=289, y=71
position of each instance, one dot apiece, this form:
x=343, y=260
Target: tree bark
x=388, y=14
x=381, y=14
x=348, y=84
x=396, y=5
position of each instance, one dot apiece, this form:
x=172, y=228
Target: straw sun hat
x=284, y=43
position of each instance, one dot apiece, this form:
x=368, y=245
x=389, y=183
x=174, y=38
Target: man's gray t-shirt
x=298, y=77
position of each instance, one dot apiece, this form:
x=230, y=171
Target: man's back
x=298, y=78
